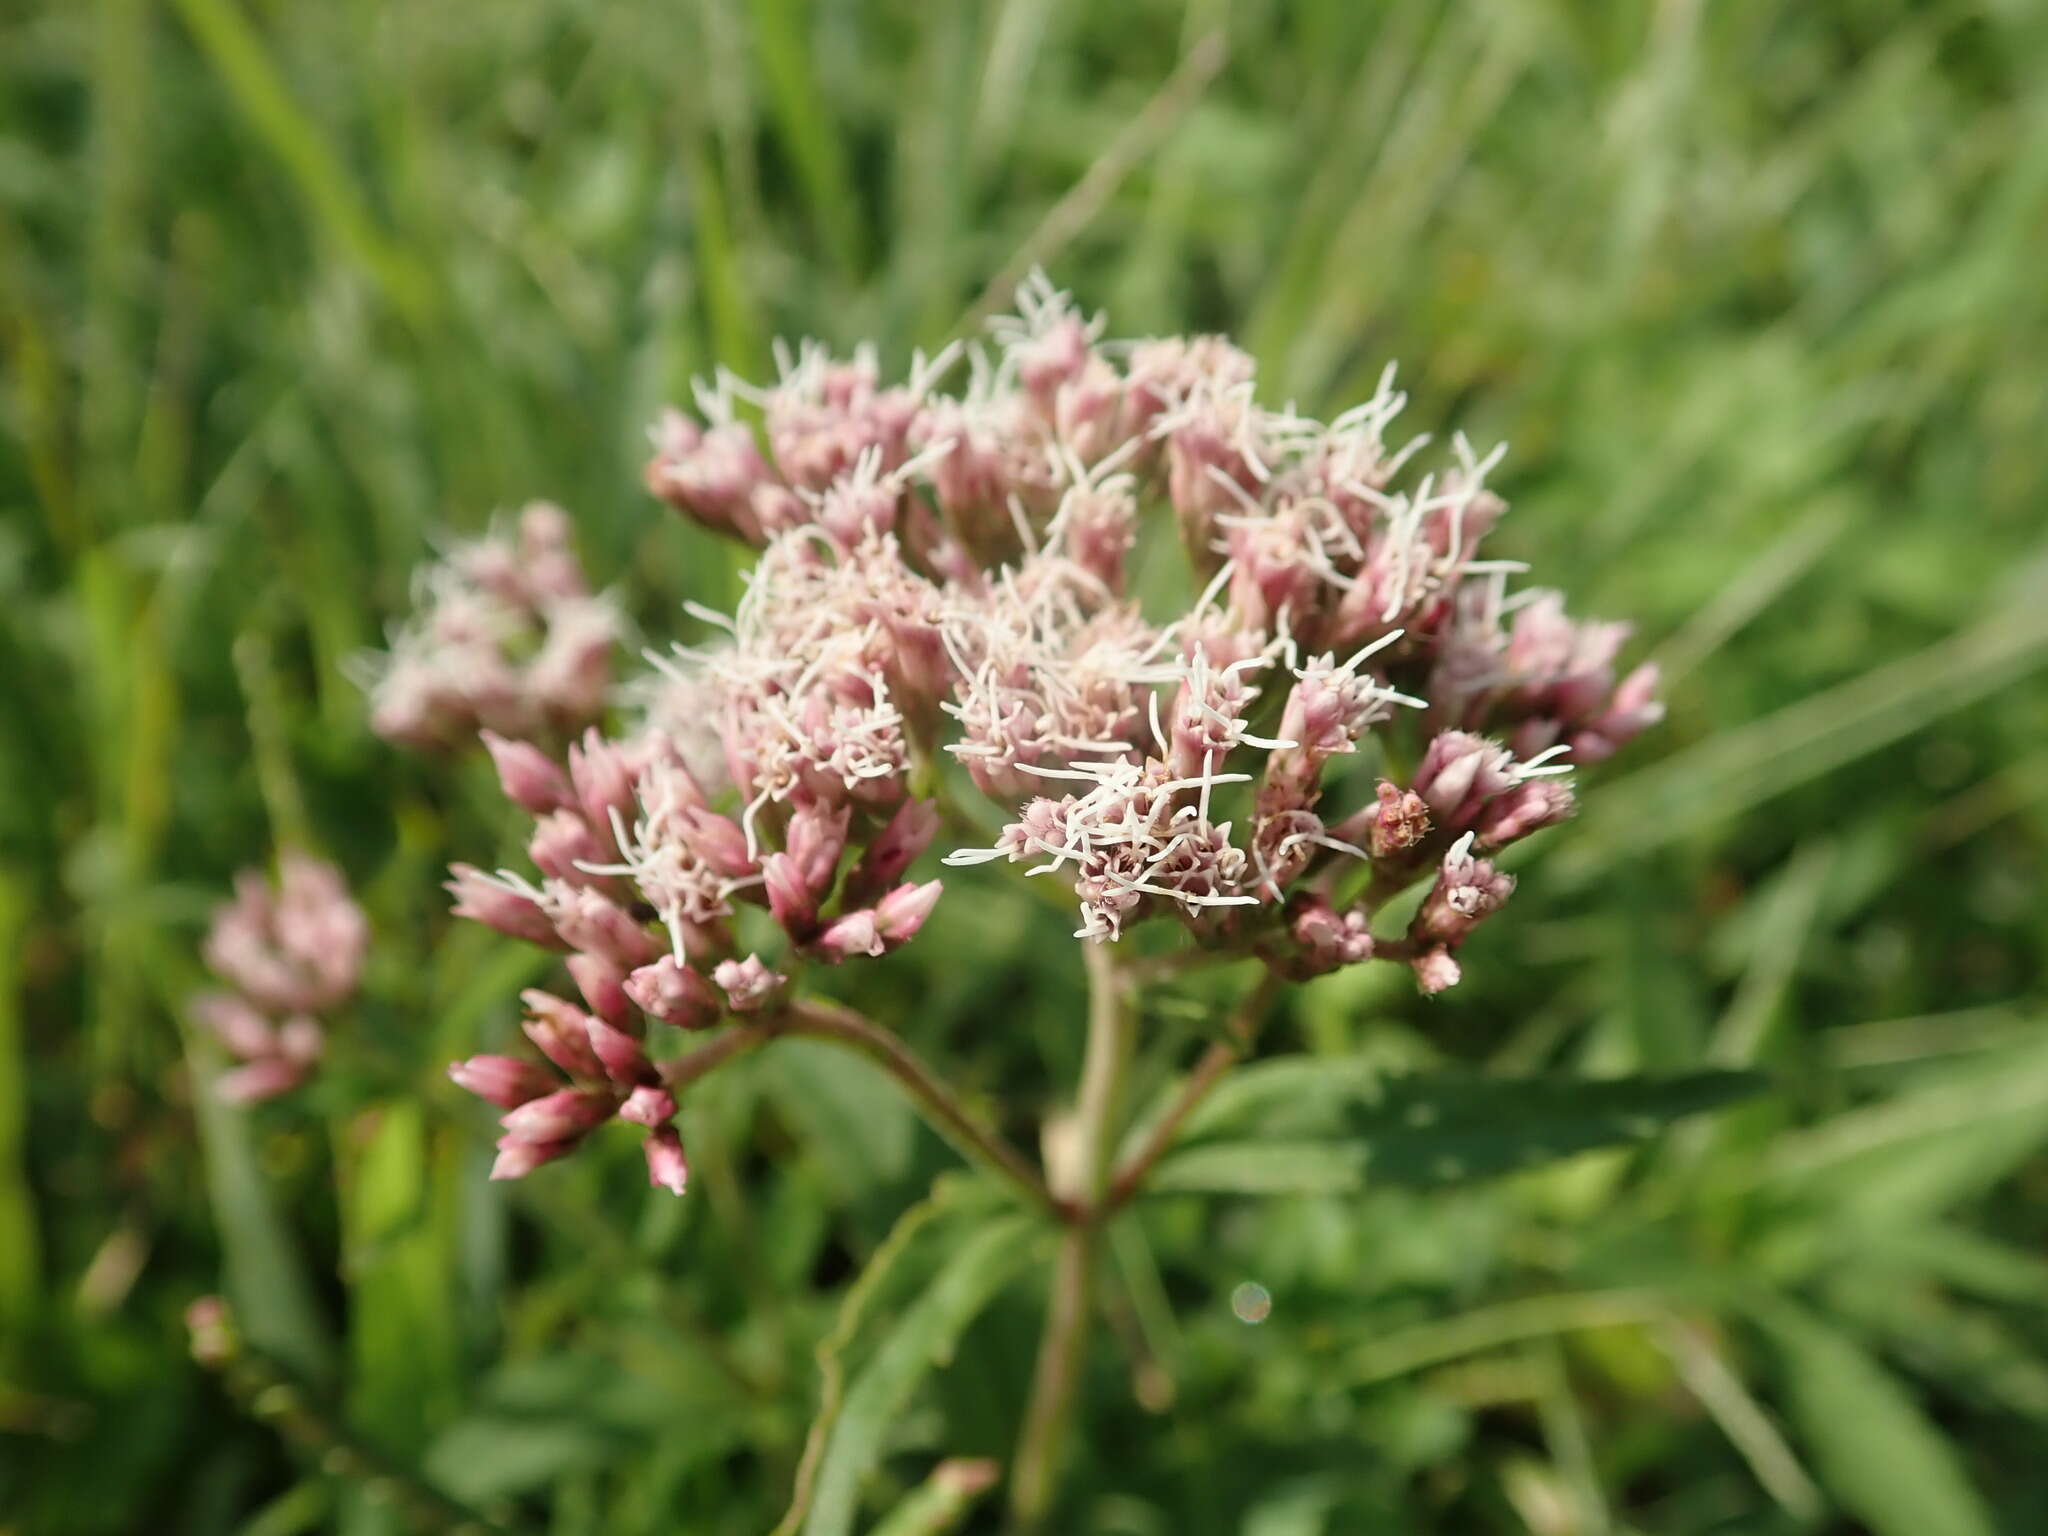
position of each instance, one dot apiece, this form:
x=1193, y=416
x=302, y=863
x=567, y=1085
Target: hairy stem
x=1048, y=1417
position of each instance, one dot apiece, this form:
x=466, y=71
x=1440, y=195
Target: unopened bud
x=505, y=1081
x=649, y=1105
x=672, y=992
x=530, y=778
x=666, y=1166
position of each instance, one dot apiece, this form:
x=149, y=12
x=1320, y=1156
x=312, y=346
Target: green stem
x=1049, y=1415
x=1217, y=1060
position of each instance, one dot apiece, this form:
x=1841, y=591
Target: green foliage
x=1753, y=289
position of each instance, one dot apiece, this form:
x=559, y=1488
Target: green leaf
x=1873, y=1447
x=1425, y=1129
x=847, y=1108
x=488, y=1456
x=1949, y=1133
x=264, y=1279
x=923, y=1338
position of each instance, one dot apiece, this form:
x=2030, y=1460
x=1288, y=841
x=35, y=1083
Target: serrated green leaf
x=1873, y=1447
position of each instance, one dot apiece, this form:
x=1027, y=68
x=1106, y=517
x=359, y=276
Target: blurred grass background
x=1754, y=289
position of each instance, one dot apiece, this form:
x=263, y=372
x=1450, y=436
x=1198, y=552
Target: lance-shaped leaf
x=1326, y=1130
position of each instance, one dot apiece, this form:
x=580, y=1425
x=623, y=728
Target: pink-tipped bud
x=563, y=847
x=482, y=899
x=590, y=920
x=789, y=896
x=601, y=772
x=894, y=849
x=649, y=1105
x=1435, y=971
x=1329, y=938
x=517, y=1158
x=853, y=934
x=619, y=1053
x=1633, y=709
x=530, y=778
x=603, y=987
x=262, y=1079
x=748, y=984
x=505, y=1081
x=1528, y=807
x=563, y=1115
x=1459, y=773
x=666, y=1166
x=237, y=1023
x=717, y=840
x=902, y=912
x=670, y=991
x=561, y=1031
x=817, y=837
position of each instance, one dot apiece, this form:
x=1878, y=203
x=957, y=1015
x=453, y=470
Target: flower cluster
x=642, y=881
x=949, y=577
x=506, y=636
x=1176, y=767
x=287, y=953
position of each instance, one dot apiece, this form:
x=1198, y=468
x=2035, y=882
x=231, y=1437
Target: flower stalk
x=1049, y=1414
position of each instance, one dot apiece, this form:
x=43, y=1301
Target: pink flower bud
x=1459, y=773
x=562, y=846
x=530, y=778
x=817, y=837
x=1435, y=971
x=262, y=1079
x=853, y=934
x=1528, y=807
x=789, y=896
x=562, y=1032
x=623, y=1060
x=648, y=1105
x=601, y=772
x=893, y=850
x=237, y=1023
x=717, y=840
x=484, y=900
x=666, y=1167
x=589, y=920
x=900, y=914
x=748, y=984
x=603, y=987
x=1328, y=938
x=1633, y=709
x=505, y=1081
x=563, y=1115
x=517, y=1158
x=673, y=993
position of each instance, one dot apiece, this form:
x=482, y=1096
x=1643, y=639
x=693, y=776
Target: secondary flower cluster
x=950, y=576
x=288, y=953
x=506, y=636
x=640, y=881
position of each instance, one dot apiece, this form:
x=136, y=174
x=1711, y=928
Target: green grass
x=1753, y=289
